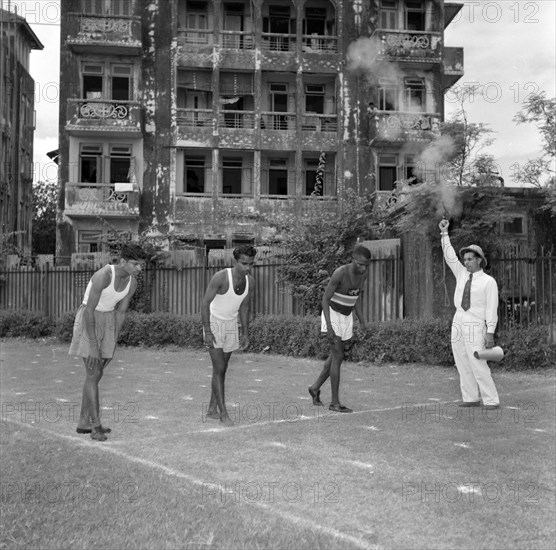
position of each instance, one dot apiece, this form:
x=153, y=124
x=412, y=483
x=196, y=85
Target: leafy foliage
x=541, y=111
x=44, y=217
x=316, y=244
x=457, y=155
x=475, y=213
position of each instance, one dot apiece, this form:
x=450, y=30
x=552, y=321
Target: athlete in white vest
x=97, y=324
x=227, y=296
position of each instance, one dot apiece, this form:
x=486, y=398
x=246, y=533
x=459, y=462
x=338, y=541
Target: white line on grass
x=326, y=416
x=171, y=472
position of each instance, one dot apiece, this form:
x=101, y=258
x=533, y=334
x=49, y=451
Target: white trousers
x=468, y=336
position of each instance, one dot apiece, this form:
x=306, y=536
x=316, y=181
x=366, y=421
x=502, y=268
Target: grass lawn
x=407, y=470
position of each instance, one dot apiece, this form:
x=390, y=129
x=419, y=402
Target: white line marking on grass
x=171, y=472
x=373, y=428
x=277, y=444
x=357, y=463
x=433, y=399
x=20, y=393
x=539, y=430
x=150, y=417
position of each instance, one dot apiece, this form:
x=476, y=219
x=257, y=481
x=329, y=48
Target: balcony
x=419, y=47
x=316, y=43
x=104, y=34
x=316, y=122
x=453, y=66
x=102, y=199
x=87, y=116
x=237, y=40
x=395, y=126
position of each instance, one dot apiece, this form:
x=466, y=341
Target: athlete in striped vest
x=340, y=299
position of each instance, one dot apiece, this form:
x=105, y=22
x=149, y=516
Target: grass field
x=407, y=470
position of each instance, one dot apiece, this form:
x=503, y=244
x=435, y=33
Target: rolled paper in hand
x=493, y=354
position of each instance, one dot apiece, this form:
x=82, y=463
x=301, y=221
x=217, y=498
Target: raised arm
x=450, y=255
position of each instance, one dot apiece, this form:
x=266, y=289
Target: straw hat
x=477, y=250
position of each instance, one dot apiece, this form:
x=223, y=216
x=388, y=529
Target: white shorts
x=226, y=334
x=342, y=325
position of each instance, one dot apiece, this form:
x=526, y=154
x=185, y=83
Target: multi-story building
x=209, y=119
x=17, y=119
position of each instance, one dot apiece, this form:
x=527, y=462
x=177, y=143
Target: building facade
x=210, y=120
x=17, y=119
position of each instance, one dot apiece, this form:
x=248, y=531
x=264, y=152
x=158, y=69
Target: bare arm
x=332, y=286
x=244, y=315
x=123, y=306
x=450, y=256
x=216, y=284
x=359, y=309
x=100, y=280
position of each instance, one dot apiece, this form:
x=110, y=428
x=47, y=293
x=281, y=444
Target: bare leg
x=217, y=397
x=323, y=376
x=90, y=408
x=337, y=356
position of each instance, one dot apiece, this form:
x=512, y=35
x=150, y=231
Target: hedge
x=401, y=341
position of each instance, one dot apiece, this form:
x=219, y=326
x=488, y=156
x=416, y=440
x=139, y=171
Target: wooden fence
x=179, y=289
x=527, y=288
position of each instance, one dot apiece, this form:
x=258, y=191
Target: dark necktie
x=466, y=298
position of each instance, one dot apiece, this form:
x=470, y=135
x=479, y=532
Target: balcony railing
x=237, y=119
x=104, y=114
x=86, y=199
x=316, y=122
x=389, y=126
x=320, y=44
x=409, y=45
x=237, y=40
x=103, y=33
x=278, y=121
x=195, y=37
x=277, y=42
x=195, y=117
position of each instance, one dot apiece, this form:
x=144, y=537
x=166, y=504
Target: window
x=89, y=241
x=231, y=175
x=107, y=7
x=515, y=227
x=412, y=170
x=279, y=104
x=387, y=95
x=90, y=163
x=387, y=172
x=415, y=95
x=194, y=171
x=120, y=164
x=278, y=177
x=278, y=22
x=101, y=81
x=315, y=20
x=388, y=14
x=314, y=98
x=414, y=16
